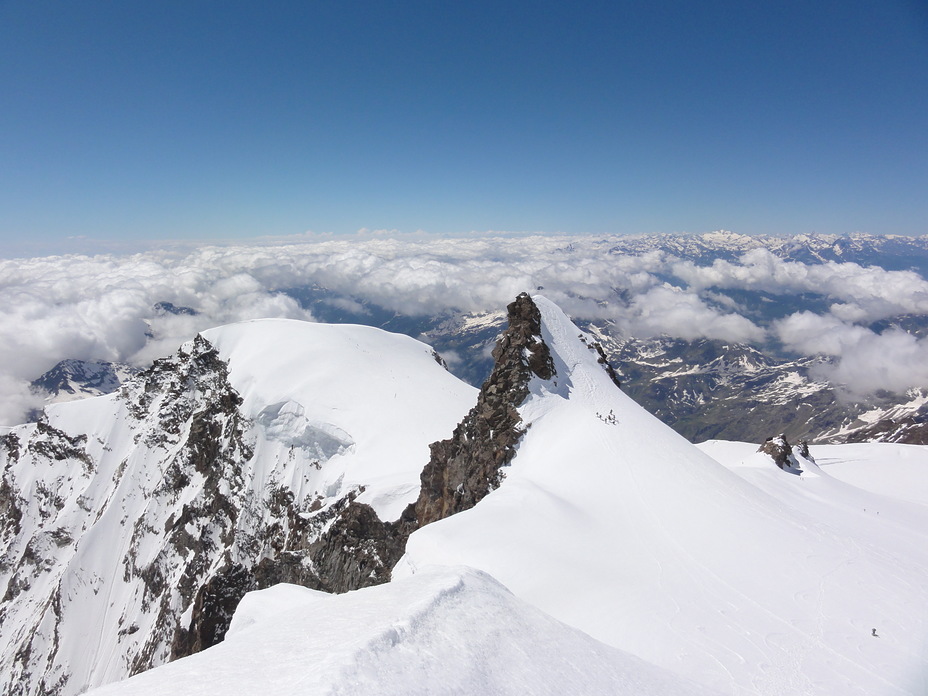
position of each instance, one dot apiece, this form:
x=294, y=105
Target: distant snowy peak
x=889, y=251
x=76, y=379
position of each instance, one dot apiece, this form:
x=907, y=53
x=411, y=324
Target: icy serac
x=133, y=523
x=749, y=580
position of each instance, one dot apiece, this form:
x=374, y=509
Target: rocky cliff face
x=467, y=466
x=116, y=532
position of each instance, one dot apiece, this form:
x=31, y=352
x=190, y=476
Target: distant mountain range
x=892, y=252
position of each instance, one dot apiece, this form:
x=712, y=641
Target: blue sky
x=224, y=120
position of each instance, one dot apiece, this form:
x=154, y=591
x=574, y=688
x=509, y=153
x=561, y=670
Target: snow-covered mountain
x=277, y=451
x=73, y=379
x=265, y=451
x=894, y=252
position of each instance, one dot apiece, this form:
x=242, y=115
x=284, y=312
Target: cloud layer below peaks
x=105, y=307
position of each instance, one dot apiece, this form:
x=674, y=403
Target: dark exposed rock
x=779, y=449
x=10, y=504
x=286, y=566
x=164, y=390
x=604, y=361
x=55, y=444
x=464, y=468
x=355, y=549
x=440, y=360
x=10, y=512
x=358, y=550
x=597, y=347
x=10, y=442
x=213, y=608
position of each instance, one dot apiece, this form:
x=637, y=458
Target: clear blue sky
x=200, y=119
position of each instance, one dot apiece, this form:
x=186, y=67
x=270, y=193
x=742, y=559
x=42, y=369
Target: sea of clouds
x=103, y=307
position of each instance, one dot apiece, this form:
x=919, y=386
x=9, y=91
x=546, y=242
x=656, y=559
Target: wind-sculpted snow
x=134, y=522
x=448, y=631
x=612, y=523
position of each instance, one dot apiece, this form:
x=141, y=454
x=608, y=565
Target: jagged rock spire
x=779, y=449
x=464, y=468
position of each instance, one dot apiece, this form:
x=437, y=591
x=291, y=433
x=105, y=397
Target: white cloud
x=669, y=310
x=16, y=399
x=876, y=293
x=867, y=361
x=101, y=307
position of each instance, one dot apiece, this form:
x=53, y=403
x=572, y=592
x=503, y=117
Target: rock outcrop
x=779, y=449
x=467, y=466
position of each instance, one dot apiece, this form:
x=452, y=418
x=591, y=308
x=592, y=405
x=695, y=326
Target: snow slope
x=612, y=523
x=117, y=510
x=444, y=631
x=893, y=470
x=365, y=402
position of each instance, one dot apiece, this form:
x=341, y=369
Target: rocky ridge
x=464, y=468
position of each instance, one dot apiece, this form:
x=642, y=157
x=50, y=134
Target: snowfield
x=363, y=402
